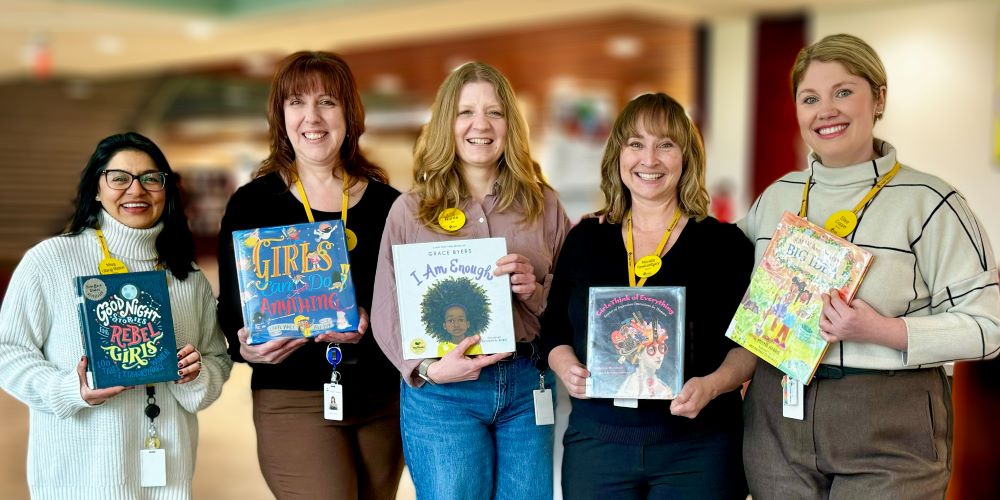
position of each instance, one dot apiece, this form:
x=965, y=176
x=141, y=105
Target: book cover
x=128, y=329
x=778, y=318
x=295, y=281
x=635, y=342
x=447, y=291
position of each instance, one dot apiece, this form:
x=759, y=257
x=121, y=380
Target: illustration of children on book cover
x=128, y=329
x=778, y=318
x=447, y=292
x=635, y=342
x=295, y=280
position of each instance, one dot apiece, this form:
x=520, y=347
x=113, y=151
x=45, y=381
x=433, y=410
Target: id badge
x=333, y=401
x=152, y=467
x=544, y=414
x=792, y=396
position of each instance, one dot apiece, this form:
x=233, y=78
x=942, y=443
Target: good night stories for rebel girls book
x=128, y=329
x=635, y=342
x=446, y=292
x=295, y=280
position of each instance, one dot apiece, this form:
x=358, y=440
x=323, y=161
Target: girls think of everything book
x=447, y=291
x=778, y=318
x=635, y=342
x=128, y=330
x=295, y=280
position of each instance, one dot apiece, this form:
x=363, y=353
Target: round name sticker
x=451, y=219
x=111, y=265
x=648, y=266
x=94, y=289
x=351, y=238
x=842, y=223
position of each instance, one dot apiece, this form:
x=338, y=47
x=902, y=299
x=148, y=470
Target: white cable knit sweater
x=79, y=451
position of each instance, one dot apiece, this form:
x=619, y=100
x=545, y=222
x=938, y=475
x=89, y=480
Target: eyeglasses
x=652, y=348
x=121, y=180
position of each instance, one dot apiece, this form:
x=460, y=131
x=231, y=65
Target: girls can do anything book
x=778, y=318
x=446, y=292
x=128, y=329
x=295, y=280
x=635, y=342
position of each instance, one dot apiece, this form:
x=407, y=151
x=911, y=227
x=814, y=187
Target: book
x=635, y=342
x=446, y=292
x=295, y=281
x=778, y=318
x=128, y=329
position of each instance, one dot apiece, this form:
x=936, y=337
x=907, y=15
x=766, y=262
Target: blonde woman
x=468, y=423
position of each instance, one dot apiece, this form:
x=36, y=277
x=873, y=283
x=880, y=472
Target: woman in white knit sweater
x=85, y=443
x=875, y=422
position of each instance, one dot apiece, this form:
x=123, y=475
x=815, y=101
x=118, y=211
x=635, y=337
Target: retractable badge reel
x=333, y=392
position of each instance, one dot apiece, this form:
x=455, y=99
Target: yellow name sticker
x=111, y=265
x=451, y=219
x=351, y=238
x=842, y=223
x=648, y=266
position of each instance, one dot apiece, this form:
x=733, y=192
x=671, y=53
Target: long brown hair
x=661, y=116
x=436, y=170
x=304, y=71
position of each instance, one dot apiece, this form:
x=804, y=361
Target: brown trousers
x=868, y=436
x=304, y=456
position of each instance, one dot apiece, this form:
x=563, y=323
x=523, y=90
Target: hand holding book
x=455, y=366
x=272, y=352
x=347, y=337
x=859, y=322
x=522, y=274
x=188, y=363
x=94, y=397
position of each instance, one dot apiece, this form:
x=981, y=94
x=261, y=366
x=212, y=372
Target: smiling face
x=480, y=126
x=455, y=323
x=650, y=166
x=314, y=122
x=836, y=113
x=134, y=206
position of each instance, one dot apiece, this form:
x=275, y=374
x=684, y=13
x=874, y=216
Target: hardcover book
x=128, y=330
x=778, y=318
x=295, y=281
x=447, y=291
x=635, y=342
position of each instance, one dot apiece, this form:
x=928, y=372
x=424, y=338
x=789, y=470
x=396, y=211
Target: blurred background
x=193, y=75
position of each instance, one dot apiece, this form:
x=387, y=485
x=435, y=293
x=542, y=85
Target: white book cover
x=447, y=291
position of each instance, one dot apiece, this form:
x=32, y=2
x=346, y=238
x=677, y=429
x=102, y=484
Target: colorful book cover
x=779, y=316
x=447, y=291
x=128, y=329
x=295, y=281
x=635, y=342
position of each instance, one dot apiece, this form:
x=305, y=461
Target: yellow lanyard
x=349, y=236
x=843, y=222
x=650, y=264
x=108, y=264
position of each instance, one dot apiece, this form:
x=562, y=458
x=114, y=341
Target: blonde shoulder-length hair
x=661, y=116
x=437, y=168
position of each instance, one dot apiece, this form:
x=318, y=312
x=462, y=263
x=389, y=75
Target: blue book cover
x=295, y=280
x=128, y=329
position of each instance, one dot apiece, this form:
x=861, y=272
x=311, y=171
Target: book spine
x=84, y=332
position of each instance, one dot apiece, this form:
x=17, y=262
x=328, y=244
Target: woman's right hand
x=570, y=370
x=94, y=397
x=272, y=352
x=455, y=366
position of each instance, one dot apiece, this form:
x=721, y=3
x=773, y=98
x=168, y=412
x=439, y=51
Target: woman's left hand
x=188, y=363
x=695, y=394
x=522, y=274
x=347, y=337
x=859, y=322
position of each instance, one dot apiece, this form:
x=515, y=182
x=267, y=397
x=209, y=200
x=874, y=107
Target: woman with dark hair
x=84, y=443
x=656, y=205
x=468, y=421
x=317, y=171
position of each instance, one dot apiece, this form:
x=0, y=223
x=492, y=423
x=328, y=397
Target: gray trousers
x=864, y=436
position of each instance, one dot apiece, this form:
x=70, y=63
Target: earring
x=98, y=197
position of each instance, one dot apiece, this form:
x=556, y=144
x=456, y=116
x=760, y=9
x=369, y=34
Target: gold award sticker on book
x=94, y=289
x=842, y=223
x=648, y=266
x=418, y=346
x=451, y=219
x=351, y=238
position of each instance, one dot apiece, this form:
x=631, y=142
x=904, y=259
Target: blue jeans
x=478, y=439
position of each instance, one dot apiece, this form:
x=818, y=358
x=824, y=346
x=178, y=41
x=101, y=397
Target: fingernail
x=180, y=365
x=179, y=373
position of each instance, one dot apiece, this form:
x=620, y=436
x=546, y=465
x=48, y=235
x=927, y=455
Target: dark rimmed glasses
x=121, y=180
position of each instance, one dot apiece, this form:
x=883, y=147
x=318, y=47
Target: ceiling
x=95, y=38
